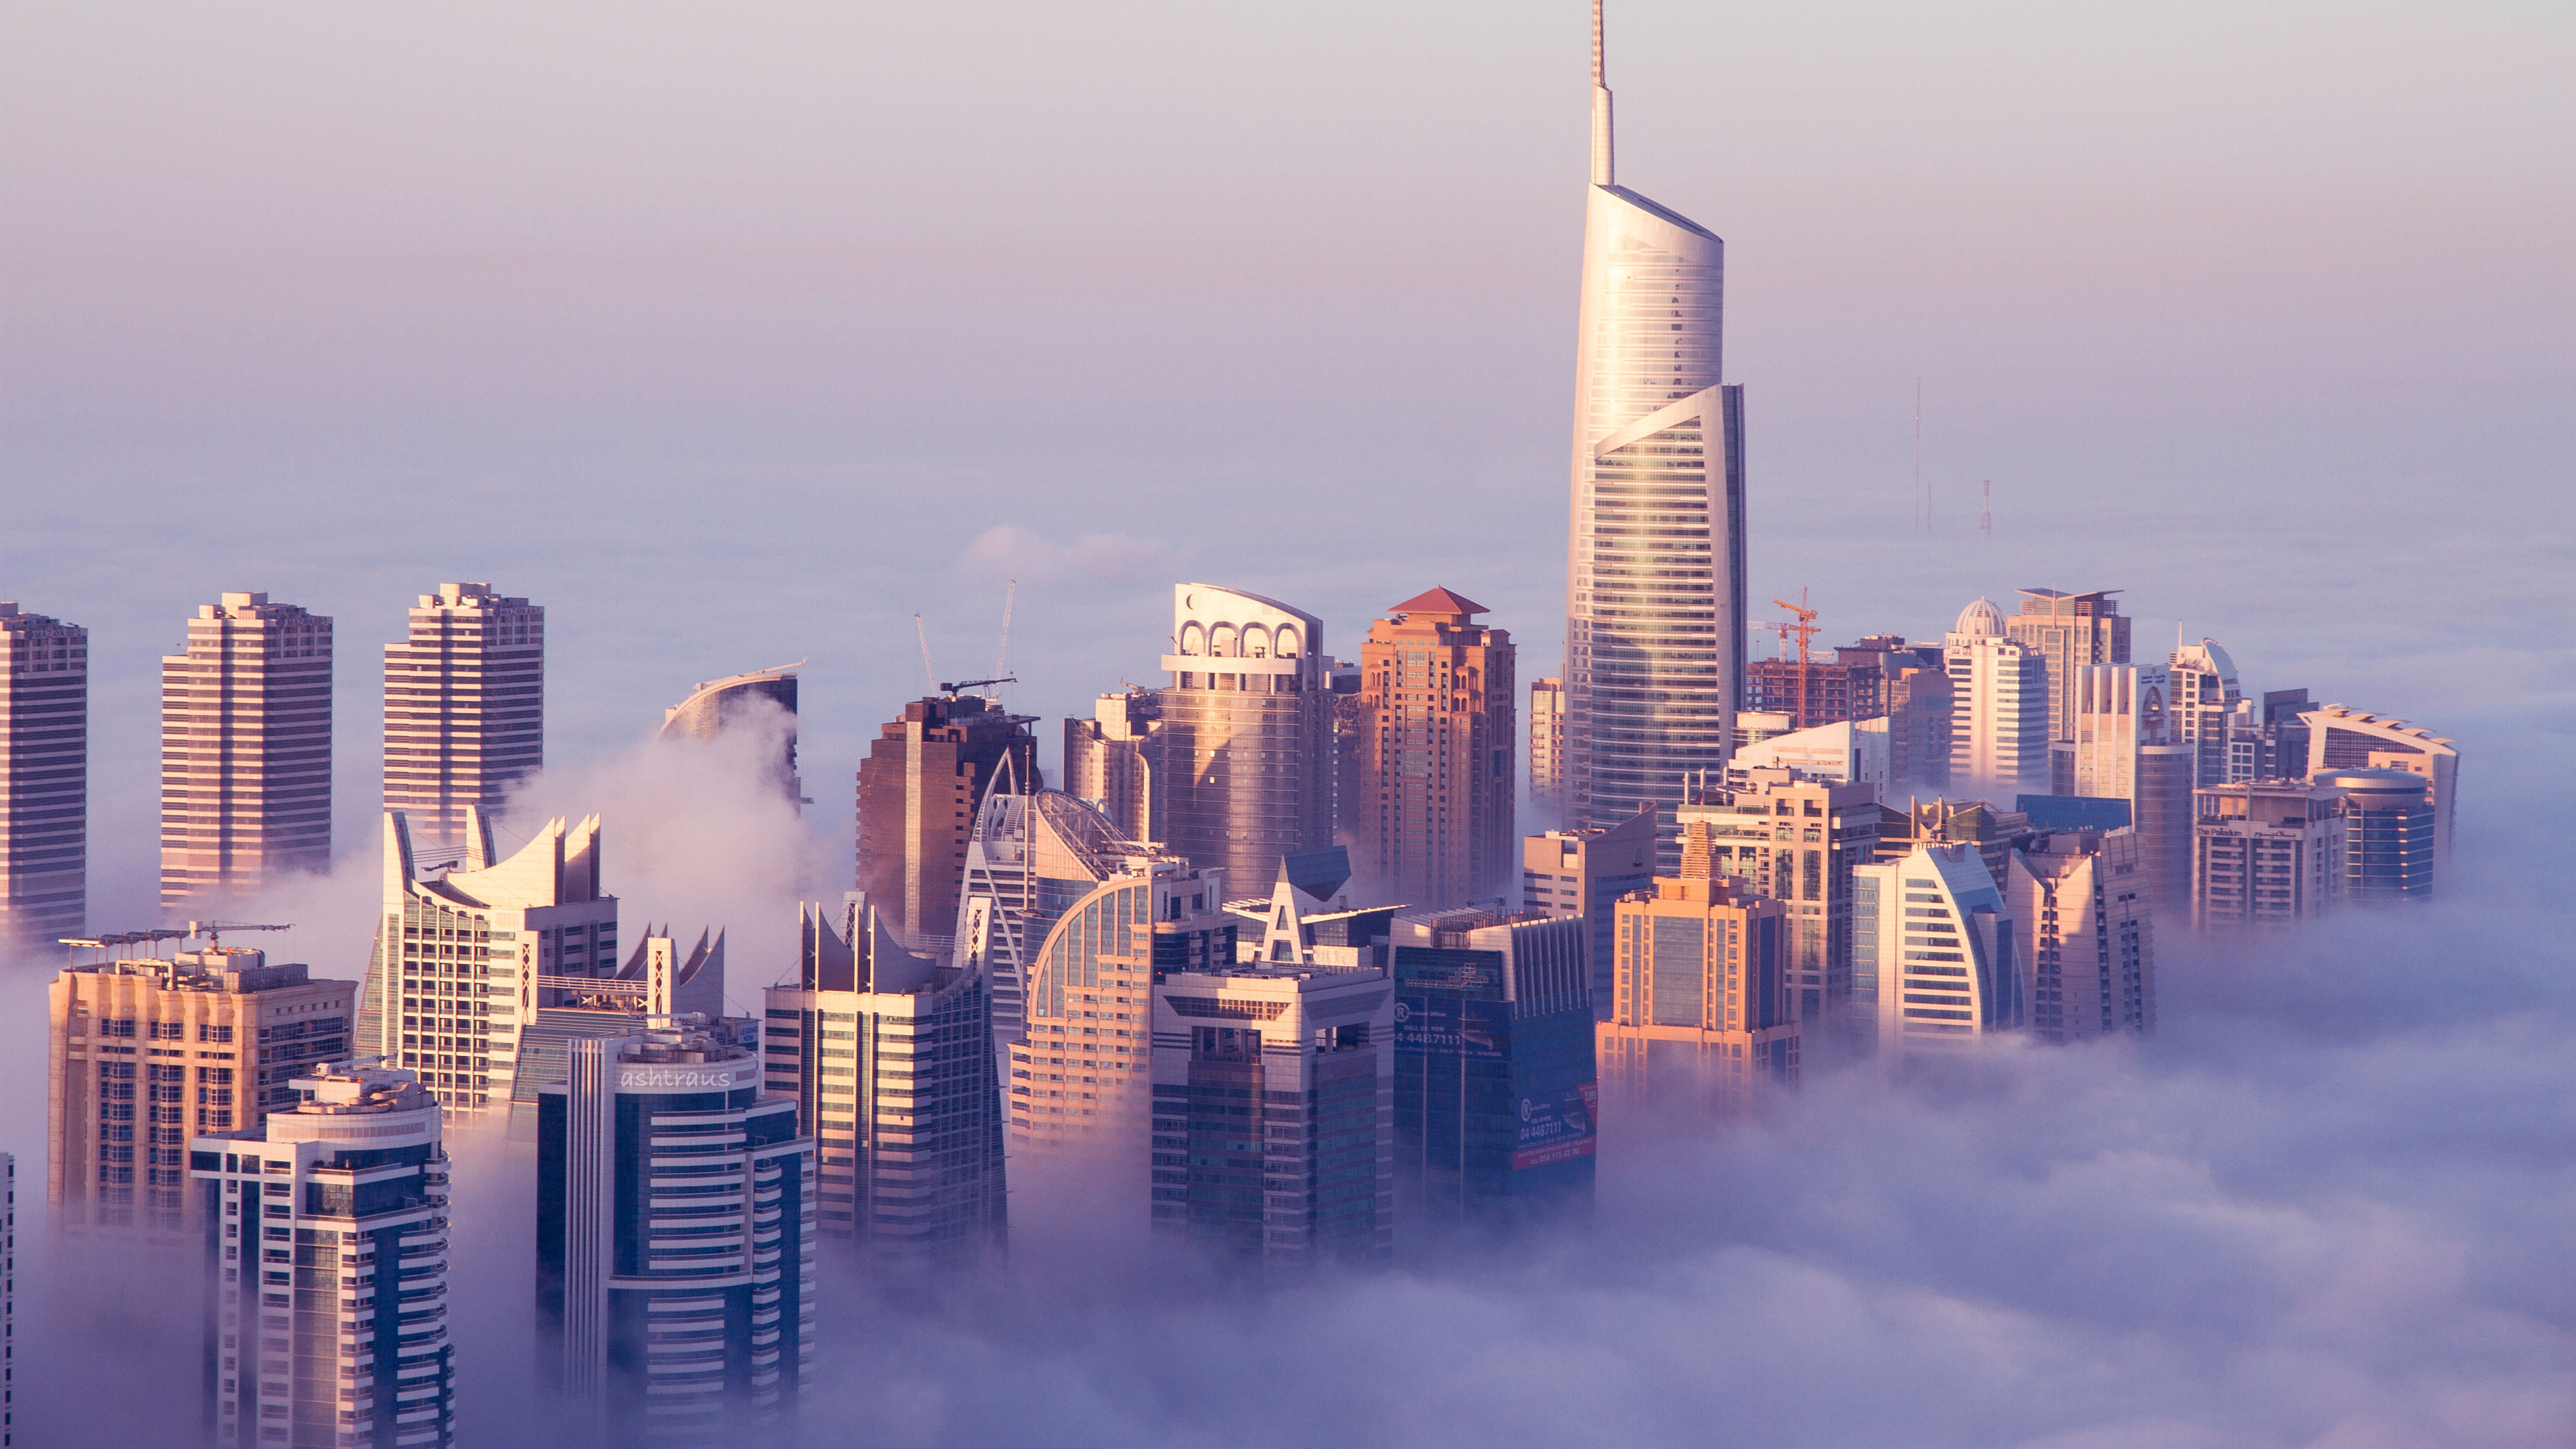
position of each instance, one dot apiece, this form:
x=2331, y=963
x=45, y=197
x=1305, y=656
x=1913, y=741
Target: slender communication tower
x=1921, y=491
x=1986, y=514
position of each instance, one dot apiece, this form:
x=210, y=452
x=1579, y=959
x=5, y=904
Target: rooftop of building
x=2058, y=601
x=222, y=969
x=354, y=1088
x=688, y=1044
x=2377, y=782
x=1439, y=601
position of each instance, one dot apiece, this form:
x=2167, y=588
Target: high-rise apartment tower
x=1999, y=730
x=2069, y=631
x=245, y=749
x=2266, y=853
x=1702, y=1014
x=1944, y=949
x=675, y=1251
x=2339, y=738
x=919, y=788
x=147, y=1052
x=889, y=1057
x=44, y=778
x=1547, y=749
x=1434, y=818
x=1111, y=758
x=467, y=957
x=1582, y=874
x=1654, y=633
x=2087, y=934
x=1797, y=841
x=326, y=1244
x=1249, y=766
x=1078, y=1071
x=1031, y=856
x=465, y=710
x=1274, y=1107
x=762, y=699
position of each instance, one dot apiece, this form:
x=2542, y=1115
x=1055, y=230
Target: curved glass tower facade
x=1655, y=560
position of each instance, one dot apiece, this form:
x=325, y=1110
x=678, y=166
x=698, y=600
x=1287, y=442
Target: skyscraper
x=1702, y=1013
x=1078, y=1071
x=1249, y=765
x=2265, y=853
x=148, y=1051
x=326, y=1238
x=1496, y=1095
x=1111, y=758
x=245, y=748
x=2387, y=834
x=2122, y=748
x=2087, y=936
x=1944, y=948
x=675, y=1251
x=1273, y=1112
x=889, y=1058
x=1655, y=619
x=1797, y=841
x=719, y=706
x=467, y=957
x=1547, y=749
x=1999, y=701
x=1031, y=855
x=2347, y=739
x=1582, y=874
x=44, y=779
x=2202, y=708
x=919, y=788
x=465, y=709
x=2069, y=631
x=1434, y=821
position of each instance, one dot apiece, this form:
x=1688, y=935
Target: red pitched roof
x=1439, y=601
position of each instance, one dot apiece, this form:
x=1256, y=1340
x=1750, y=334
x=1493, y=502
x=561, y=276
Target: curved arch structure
x=1654, y=631
x=719, y=704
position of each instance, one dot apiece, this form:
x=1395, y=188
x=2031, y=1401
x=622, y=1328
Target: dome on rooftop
x=1983, y=617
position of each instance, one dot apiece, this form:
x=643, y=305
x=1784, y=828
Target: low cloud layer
x=2326, y=1207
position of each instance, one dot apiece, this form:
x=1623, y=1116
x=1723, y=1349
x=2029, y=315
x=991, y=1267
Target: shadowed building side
x=44, y=778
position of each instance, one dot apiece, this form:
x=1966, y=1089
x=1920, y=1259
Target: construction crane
x=109, y=944
x=209, y=929
x=1010, y=596
x=1804, y=630
x=928, y=676
x=964, y=684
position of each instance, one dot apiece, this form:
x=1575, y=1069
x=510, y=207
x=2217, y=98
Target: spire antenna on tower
x=1601, y=168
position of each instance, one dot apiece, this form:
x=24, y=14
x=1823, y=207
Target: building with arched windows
x=1248, y=763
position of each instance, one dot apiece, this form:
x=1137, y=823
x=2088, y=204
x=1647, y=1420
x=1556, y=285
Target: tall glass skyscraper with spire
x=1654, y=626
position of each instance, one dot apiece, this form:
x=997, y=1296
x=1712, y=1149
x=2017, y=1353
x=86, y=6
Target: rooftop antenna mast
x=1921, y=490
x=1601, y=167
x=928, y=674
x=1986, y=514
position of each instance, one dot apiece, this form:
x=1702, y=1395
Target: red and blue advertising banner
x=1559, y=1127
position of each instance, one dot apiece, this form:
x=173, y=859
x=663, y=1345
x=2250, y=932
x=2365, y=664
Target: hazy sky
x=738, y=334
